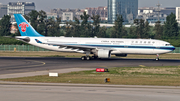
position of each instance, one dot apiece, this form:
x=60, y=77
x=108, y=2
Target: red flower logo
x=23, y=26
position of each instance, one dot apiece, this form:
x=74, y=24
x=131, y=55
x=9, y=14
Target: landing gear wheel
x=88, y=58
x=83, y=58
x=157, y=59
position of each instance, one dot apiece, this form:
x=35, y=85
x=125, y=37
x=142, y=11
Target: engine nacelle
x=104, y=53
x=121, y=55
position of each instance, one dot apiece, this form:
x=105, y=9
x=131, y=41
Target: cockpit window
x=168, y=45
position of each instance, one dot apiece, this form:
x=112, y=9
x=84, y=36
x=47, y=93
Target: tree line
x=169, y=31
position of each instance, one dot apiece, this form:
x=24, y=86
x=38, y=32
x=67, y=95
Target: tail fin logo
x=23, y=26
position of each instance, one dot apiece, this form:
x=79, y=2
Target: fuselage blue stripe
x=128, y=46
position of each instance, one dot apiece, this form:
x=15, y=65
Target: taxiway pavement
x=85, y=92
x=9, y=65
x=30, y=66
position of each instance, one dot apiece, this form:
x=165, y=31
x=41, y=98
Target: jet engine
x=104, y=53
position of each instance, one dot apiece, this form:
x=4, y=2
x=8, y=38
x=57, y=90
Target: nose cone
x=174, y=48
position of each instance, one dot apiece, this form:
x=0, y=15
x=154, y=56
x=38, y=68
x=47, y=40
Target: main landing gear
x=85, y=58
x=88, y=57
x=157, y=58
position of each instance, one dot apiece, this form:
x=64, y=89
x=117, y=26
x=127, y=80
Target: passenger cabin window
x=144, y=41
x=136, y=41
x=153, y=42
x=149, y=42
x=140, y=41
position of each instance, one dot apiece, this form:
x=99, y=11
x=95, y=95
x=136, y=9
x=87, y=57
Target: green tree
x=102, y=32
x=86, y=28
x=96, y=25
x=142, y=28
x=75, y=26
x=171, y=26
x=158, y=30
x=68, y=30
x=57, y=27
x=124, y=32
x=53, y=27
x=132, y=32
x=41, y=28
x=118, y=28
x=109, y=32
x=5, y=25
x=27, y=18
x=146, y=30
x=48, y=27
x=33, y=18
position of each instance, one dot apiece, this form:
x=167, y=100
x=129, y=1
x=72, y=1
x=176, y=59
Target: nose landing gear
x=157, y=58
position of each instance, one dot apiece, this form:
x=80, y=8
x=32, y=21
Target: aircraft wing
x=79, y=47
x=76, y=47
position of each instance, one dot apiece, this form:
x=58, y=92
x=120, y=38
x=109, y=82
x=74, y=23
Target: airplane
x=98, y=47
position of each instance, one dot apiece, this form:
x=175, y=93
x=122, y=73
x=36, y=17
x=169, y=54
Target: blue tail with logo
x=25, y=28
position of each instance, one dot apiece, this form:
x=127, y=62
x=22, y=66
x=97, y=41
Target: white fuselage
x=119, y=46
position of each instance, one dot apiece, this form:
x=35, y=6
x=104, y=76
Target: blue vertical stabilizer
x=25, y=28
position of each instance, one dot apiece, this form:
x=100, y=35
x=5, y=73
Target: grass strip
x=160, y=76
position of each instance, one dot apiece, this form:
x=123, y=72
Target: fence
x=20, y=48
x=177, y=50
x=34, y=48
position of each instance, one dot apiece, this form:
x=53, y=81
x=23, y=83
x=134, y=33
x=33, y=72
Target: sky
x=46, y=5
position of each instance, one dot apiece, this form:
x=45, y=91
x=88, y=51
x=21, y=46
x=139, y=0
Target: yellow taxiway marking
x=26, y=65
x=42, y=63
x=142, y=66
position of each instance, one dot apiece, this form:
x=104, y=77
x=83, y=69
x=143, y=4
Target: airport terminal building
x=19, y=8
x=178, y=14
x=127, y=8
x=3, y=10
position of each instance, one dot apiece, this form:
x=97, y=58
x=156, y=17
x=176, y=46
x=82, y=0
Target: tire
x=83, y=58
x=88, y=58
x=157, y=59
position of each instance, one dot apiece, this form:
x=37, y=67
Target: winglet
x=25, y=28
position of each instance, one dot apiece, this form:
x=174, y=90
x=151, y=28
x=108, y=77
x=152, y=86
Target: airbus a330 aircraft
x=100, y=47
